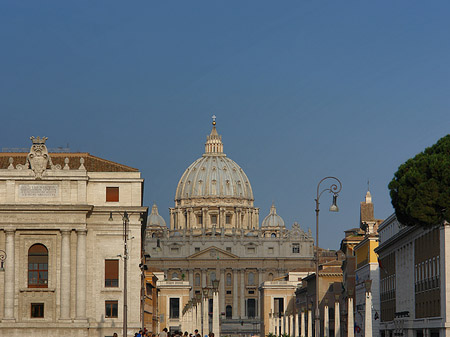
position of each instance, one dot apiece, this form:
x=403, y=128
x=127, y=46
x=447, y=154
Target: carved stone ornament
x=38, y=159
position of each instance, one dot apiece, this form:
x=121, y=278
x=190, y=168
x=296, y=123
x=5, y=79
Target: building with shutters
x=63, y=273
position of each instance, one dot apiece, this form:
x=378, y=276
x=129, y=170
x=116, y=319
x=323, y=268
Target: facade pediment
x=212, y=253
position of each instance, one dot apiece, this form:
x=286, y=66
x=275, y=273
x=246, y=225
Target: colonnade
x=301, y=324
x=195, y=314
x=64, y=291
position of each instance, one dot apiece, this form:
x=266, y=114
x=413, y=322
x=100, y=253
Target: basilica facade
x=215, y=234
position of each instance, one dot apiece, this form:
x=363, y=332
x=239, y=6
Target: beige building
x=63, y=272
x=215, y=234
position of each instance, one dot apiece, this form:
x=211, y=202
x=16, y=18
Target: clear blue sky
x=301, y=90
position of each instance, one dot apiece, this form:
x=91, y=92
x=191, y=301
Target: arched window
x=174, y=276
x=270, y=277
x=228, y=312
x=273, y=235
x=38, y=266
x=251, y=279
x=197, y=280
x=228, y=279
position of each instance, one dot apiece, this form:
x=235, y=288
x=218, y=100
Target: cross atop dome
x=214, y=143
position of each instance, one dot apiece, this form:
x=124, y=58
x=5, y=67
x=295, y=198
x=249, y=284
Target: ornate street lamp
x=125, y=221
x=2, y=260
x=334, y=188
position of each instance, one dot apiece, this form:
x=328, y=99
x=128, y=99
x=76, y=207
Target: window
x=37, y=310
x=38, y=266
x=111, y=309
x=212, y=277
x=200, y=219
x=251, y=279
x=270, y=277
x=251, y=308
x=214, y=219
x=228, y=219
x=251, y=250
x=295, y=248
x=273, y=235
x=271, y=250
x=112, y=194
x=228, y=279
x=197, y=249
x=228, y=312
x=251, y=292
x=197, y=279
x=111, y=273
x=228, y=292
x=174, y=250
x=174, y=276
x=174, y=308
x=228, y=249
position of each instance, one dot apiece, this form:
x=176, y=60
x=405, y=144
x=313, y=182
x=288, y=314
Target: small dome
x=154, y=219
x=273, y=219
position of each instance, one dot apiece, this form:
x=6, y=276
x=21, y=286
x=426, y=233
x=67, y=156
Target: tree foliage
x=420, y=189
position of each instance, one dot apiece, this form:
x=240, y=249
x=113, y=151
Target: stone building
x=215, y=234
x=414, y=279
x=63, y=272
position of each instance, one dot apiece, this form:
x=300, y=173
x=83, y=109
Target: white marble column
x=337, y=319
x=81, y=274
x=283, y=323
x=350, y=319
x=65, y=273
x=235, y=294
x=302, y=324
x=326, y=321
x=242, y=296
x=297, y=322
x=309, y=322
x=9, y=275
x=275, y=324
x=222, y=291
x=215, y=322
x=205, y=326
x=368, y=315
x=270, y=323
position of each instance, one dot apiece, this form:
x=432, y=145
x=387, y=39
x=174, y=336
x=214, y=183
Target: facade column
x=188, y=218
x=302, y=324
x=65, y=273
x=275, y=324
x=350, y=319
x=337, y=318
x=326, y=321
x=204, y=218
x=9, y=275
x=297, y=330
x=222, y=291
x=309, y=322
x=283, y=323
x=81, y=274
x=235, y=294
x=204, y=278
x=242, y=299
x=191, y=283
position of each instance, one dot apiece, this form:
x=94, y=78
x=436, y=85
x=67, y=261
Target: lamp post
x=125, y=221
x=2, y=260
x=334, y=188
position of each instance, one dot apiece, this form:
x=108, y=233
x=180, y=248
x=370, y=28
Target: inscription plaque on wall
x=45, y=191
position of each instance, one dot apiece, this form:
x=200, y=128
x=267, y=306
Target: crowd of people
x=166, y=333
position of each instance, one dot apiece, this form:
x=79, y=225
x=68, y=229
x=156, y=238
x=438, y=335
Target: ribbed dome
x=273, y=219
x=214, y=175
x=154, y=219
